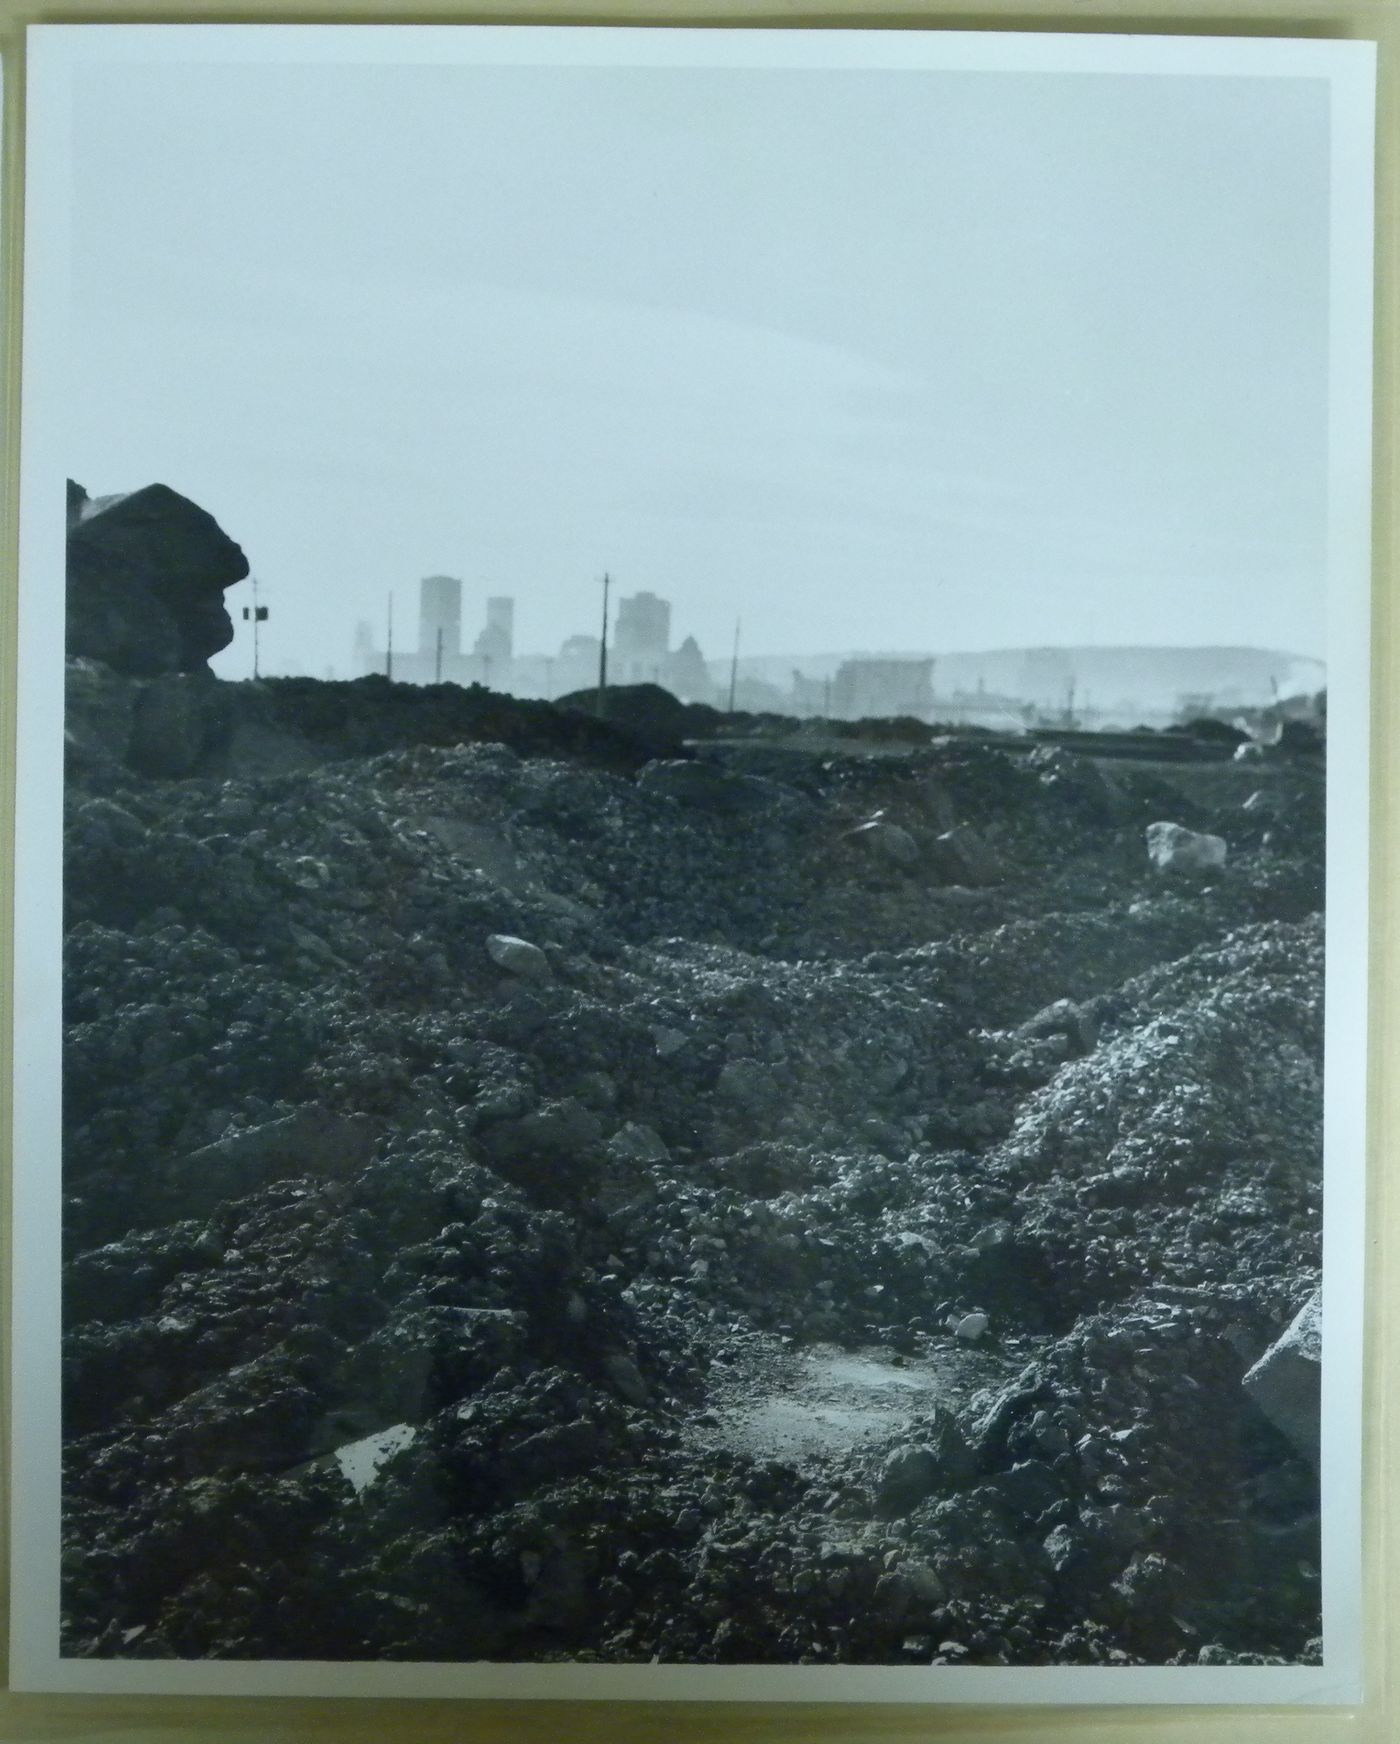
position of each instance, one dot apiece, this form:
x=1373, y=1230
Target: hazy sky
x=877, y=359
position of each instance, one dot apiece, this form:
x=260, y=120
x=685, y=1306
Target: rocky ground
x=556, y=1202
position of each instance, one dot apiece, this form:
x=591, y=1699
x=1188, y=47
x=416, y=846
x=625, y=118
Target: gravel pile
x=449, y=1129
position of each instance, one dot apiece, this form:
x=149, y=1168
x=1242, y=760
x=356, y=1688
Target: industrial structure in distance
x=1006, y=689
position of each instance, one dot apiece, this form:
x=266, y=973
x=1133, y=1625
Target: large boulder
x=146, y=579
x=1286, y=1382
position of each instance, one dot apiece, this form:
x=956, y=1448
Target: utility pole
x=258, y=615
x=734, y=665
x=603, y=654
x=389, y=644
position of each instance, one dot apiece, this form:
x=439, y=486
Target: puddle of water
x=360, y=1461
x=780, y=1404
x=863, y=1372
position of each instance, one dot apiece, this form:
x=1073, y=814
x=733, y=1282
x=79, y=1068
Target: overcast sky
x=875, y=359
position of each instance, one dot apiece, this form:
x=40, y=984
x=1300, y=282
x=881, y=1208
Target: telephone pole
x=603, y=654
x=258, y=615
x=734, y=665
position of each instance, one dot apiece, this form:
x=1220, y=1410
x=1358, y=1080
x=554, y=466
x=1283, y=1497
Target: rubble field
x=530, y=1198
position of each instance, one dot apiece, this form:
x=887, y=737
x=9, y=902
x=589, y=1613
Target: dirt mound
x=416, y=1282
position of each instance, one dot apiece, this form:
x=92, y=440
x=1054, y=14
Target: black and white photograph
x=691, y=864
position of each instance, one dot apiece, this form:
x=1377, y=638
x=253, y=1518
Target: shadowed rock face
x=146, y=580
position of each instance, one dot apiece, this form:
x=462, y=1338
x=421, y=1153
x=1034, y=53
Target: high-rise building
x=641, y=640
x=439, y=658
x=496, y=641
x=440, y=615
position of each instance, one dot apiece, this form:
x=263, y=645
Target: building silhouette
x=440, y=616
x=641, y=640
x=496, y=641
x=438, y=657
x=865, y=688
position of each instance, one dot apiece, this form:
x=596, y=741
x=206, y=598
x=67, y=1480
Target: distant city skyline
x=1010, y=687
x=873, y=359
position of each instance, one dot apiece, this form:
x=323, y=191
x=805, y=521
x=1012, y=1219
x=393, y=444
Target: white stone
x=360, y=1461
x=1174, y=848
x=971, y=1327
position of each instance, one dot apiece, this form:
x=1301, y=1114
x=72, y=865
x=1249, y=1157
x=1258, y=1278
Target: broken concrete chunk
x=1286, y=1382
x=1174, y=848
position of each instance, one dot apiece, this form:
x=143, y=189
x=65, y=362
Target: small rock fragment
x=518, y=956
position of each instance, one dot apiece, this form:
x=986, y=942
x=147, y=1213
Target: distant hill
x=1127, y=681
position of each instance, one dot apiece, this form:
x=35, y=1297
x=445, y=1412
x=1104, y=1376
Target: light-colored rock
x=518, y=957
x=971, y=1327
x=1286, y=1382
x=360, y=1461
x=1174, y=848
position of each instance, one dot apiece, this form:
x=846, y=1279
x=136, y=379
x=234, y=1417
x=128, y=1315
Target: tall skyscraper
x=440, y=609
x=641, y=639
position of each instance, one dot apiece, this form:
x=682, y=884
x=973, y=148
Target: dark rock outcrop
x=146, y=580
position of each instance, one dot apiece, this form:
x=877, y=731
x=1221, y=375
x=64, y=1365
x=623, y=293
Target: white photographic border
x=53, y=54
